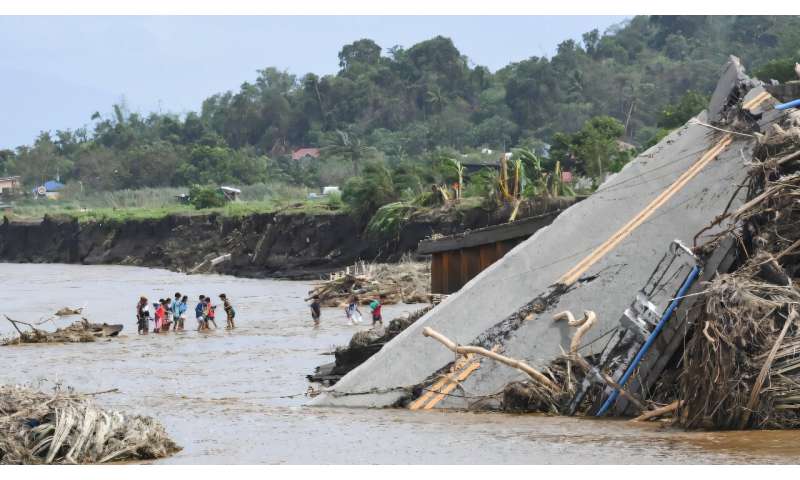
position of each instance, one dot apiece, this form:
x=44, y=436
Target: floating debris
x=406, y=282
x=79, y=332
x=65, y=427
x=363, y=345
x=67, y=311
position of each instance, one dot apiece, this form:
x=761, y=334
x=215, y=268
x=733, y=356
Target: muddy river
x=225, y=397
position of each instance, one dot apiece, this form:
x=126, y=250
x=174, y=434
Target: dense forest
x=398, y=111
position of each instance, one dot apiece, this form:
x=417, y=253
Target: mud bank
x=297, y=245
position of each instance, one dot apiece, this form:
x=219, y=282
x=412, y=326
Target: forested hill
x=404, y=103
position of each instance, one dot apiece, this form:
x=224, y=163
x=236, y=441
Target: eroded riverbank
x=293, y=244
x=223, y=396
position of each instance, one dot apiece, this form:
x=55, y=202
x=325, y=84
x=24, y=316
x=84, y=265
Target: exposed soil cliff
x=282, y=244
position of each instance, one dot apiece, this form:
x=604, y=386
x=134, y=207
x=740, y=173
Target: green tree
x=593, y=150
x=780, y=69
x=689, y=105
x=350, y=148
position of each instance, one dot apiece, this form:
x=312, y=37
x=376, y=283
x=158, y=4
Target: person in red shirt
x=161, y=312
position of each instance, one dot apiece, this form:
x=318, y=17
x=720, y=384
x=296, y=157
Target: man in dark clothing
x=316, y=310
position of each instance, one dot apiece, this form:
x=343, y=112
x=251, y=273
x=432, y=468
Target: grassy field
x=154, y=203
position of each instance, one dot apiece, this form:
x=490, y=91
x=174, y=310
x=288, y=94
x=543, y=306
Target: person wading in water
x=229, y=311
x=143, y=316
x=316, y=310
x=210, y=313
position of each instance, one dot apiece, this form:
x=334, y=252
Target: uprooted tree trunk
x=80, y=331
x=534, y=374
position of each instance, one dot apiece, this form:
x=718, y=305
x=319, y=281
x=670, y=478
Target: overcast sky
x=56, y=71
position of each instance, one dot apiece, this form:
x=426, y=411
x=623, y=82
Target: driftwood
x=584, y=324
x=65, y=427
x=659, y=412
x=406, y=282
x=80, y=331
x=534, y=374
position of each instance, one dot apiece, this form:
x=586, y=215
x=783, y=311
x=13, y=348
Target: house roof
x=12, y=178
x=480, y=162
x=305, y=152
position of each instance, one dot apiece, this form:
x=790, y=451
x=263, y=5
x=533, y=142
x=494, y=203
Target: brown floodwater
x=223, y=396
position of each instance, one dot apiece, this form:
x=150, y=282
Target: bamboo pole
x=511, y=362
x=658, y=412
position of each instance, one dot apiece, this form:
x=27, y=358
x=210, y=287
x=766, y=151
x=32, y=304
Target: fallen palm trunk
x=68, y=428
x=79, y=332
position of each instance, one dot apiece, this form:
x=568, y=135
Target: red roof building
x=302, y=153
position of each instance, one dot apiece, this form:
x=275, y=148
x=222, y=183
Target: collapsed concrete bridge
x=595, y=255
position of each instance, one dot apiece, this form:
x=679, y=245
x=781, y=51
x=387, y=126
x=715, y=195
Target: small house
x=305, y=153
x=10, y=185
x=231, y=194
x=474, y=164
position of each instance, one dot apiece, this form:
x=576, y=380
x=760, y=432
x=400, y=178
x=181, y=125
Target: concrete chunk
x=725, y=93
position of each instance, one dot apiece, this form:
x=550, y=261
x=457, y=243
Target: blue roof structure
x=53, y=186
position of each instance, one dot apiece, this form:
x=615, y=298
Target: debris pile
x=78, y=332
x=407, y=282
x=363, y=345
x=68, y=428
x=742, y=363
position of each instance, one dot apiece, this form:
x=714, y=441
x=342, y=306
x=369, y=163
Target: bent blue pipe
x=651, y=339
x=784, y=106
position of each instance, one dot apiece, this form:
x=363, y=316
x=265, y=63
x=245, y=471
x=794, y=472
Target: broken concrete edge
x=362, y=345
x=731, y=87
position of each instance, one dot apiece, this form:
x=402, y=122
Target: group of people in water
x=351, y=310
x=169, y=313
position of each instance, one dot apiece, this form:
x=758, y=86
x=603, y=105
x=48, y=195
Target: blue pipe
x=784, y=106
x=651, y=339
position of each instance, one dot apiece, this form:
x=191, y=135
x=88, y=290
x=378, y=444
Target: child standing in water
x=229, y=311
x=180, y=315
x=174, y=311
x=143, y=316
x=375, y=306
x=160, y=314
x=316, y=310
x=199, y=314
x=167, y=302
x=352, y=312
x=210, y=313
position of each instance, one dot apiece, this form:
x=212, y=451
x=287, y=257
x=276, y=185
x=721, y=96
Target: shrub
x=367, y=193
x=205, y=197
